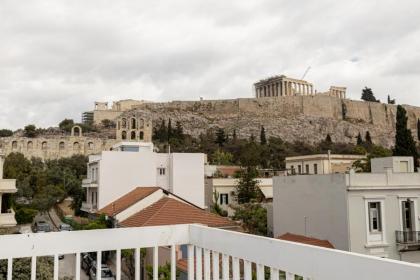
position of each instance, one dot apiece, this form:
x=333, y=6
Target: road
x=67, y=268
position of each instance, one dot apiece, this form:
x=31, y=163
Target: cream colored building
x=321, y=163
x=374, y=213
x=103, y=111
x=134, y=126
x=7, y=188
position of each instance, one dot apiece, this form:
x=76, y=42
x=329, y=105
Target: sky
x=57, y=57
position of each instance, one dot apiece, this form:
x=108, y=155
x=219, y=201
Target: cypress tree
x=328, y=139
x=169, y=133
x=263, y=139
x=367, y=95
x=368, y=138
x=235, y=137
x=359, y=139
x=220, y=137
x=404, y=142
x=418, y=129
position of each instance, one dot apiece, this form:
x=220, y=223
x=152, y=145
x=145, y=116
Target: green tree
x=364, y=165
x=359, y=140
x=418, y=129
x=404, y=142
x=106, y=123
x=220, y=137
x=5, y=133
x=263, y=139
x=247, y=189
x=222, y=158
x=367, y=95
x=328, y=139
x=170, y=132
x=66, y=125
x=164, y=272
x=215, y=208
x=390, y=101
x=253, y=217
x=30, y=131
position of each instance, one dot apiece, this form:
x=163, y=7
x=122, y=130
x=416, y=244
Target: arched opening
x=76, y=131
x=61, y=146
x=124, y=135
x=133, y=135
x=141, y=135
x=133, y=123
x=44, y=145
x=124, y=123
x=91, y=145
x=14, y=145
x=30, y=145
x=76, y=146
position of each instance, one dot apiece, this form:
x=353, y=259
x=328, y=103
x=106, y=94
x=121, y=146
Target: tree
x=222, y=158
x=404, y=142
x=235, y=137
x=179, y=131
x=30, y=131
x=215, y=208
x=253, y=217
x=66, y=125
x=367, y=95
x=328, y=139
x=164, y=272
x=220, y=137
x=418, y=129
x=106, y=123
x=359, y=140
x=263, y=139
x=6, y=133
x=368, y=138
x=390, y=101
x=247, y=190
x=169, y=133
x=363, y=165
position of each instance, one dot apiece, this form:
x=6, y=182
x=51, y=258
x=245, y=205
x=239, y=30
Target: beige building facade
x=103, y=111
x=134, y=126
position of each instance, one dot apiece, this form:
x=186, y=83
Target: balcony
x=408, y=237
x=89, y=183
x=220, y=254
x=7, y=219
x=8, y=186
x=89, y=207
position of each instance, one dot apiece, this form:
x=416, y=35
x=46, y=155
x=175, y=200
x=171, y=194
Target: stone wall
x=303, y=118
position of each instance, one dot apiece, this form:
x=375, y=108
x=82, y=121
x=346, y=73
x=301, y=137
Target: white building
x=7, y=187
x=224, y=188
x=370, y=213
x=321, y=163
x=112, y=174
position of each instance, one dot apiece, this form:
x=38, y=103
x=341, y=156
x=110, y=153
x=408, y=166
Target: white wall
x=187, y=177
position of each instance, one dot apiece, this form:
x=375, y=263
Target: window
x=124, y=123
x=315, y=168
x=61, y=146
x=407, y=208
x=141, y=135
x=307, y=169
x=133, y=135
x=123, y=135
x=161, y=171
x=133, y=123
x=30, y=145
x=14, y=145
x=299, y=169
x=224, y=199
x=375, y=216
x=44, y=145
x=292, y=168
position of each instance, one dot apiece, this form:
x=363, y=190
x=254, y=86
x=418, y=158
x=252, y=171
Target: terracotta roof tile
x=169, y=211
x=127, y=200
x=306, y=240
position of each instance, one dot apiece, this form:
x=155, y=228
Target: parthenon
x=282, y=86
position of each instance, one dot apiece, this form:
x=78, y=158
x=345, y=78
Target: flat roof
x=325, y=156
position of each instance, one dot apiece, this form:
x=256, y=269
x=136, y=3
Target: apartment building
x=128, y=165
x=7, y=188
x=321, y=163
x=370, y=213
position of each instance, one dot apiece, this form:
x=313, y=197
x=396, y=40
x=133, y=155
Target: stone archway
x=76, y=131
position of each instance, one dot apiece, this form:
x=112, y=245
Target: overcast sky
x=57, y=57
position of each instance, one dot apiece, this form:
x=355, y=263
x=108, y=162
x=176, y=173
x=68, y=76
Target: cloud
x=58, y=57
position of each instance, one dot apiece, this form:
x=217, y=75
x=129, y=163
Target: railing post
x=215, y=260
x=274, y=273
x=190, y=262
x=247, y=270
x=290, y=276
x=118, y=264
x=260, y=272
x=9, y=269
x=155, y=263
x=98, y=265
x=137, y=264
x=173, y=262
x=225, y=267
x=77, y=266
x=236, y=272
x=33, y=268
x=207, y=265
x=55, y=267
x=198, y=263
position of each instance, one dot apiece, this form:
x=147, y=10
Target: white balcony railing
x=7, y=219
x=88, y=207
x=89, y=183
x=207, y=246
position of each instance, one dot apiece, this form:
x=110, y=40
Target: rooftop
x=326, y=156
x=306, y=240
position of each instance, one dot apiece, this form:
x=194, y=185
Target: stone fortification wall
x=293, y=118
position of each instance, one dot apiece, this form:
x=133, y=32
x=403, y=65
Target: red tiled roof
x=306, y=240
x=127, y=200
x=169, y=211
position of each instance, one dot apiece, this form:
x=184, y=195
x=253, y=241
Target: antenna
x=306, y=72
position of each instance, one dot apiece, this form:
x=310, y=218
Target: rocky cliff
x=303, y=118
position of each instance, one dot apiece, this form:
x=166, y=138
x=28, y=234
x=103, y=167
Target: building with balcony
x=370, y=213
x=113, y=174
x=321, y=163
x=7, y=188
